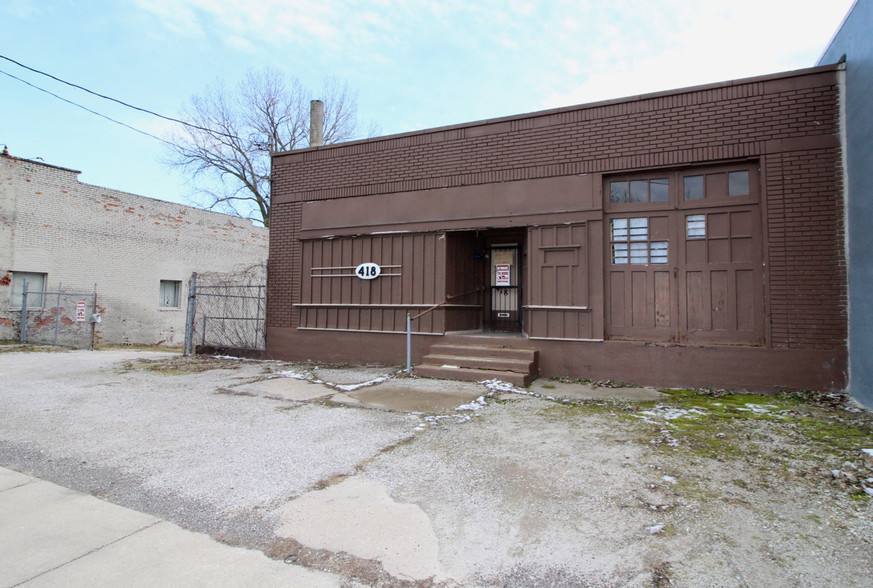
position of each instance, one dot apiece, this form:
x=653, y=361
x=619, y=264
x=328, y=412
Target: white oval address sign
x=368, y=271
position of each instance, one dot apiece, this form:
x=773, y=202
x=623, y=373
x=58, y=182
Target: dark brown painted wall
x=547, y=169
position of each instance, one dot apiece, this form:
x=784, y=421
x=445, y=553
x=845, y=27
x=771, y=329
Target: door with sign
x=505, y=301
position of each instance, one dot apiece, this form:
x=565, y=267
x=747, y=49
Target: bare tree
x=227, y=150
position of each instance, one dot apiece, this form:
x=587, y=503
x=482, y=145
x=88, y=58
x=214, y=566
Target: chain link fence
x=61, y=317
x=227, y=313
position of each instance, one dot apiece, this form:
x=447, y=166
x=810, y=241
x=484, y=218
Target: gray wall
x=855, y=40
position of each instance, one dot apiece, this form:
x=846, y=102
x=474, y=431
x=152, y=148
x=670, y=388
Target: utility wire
x=48, y=75
x=84, y=108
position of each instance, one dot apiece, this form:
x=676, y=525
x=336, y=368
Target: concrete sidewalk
x=52, y=536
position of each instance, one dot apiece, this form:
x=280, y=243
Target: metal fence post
x=189, y=318
x=23, y=335
x=408, y=344
x=256, y=342
x=58, y=314
x=93, y=317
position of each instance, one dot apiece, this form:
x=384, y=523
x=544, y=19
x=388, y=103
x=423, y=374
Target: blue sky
x=415, y=64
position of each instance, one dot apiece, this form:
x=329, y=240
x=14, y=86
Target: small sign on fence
x=80, y=311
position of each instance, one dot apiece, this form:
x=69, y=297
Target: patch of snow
x=669, y=479
x=342, y=387
x=655, y=529
x=451, y=367
x=475, y=405
x=669, y=413
x=501, y=386
x=350, y=387
x=869, y=491
x=758, y=408
x=299, y=376
x=868, y=452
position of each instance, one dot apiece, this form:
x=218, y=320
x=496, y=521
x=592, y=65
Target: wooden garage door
x=684, y=256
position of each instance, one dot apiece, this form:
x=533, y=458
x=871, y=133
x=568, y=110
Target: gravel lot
x=519, y=488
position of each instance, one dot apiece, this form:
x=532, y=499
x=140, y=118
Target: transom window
x=716, y=185
x=631, y=245
x=639, y=191
x=682, y=188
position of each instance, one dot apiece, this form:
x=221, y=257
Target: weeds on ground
x=592, y=383
x=179, y=366
x=14, y=346
x=818, y=436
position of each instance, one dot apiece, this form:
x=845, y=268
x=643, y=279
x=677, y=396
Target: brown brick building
x=685, y=238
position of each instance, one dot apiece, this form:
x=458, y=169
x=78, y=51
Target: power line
x=83, y=107
x=57, y=79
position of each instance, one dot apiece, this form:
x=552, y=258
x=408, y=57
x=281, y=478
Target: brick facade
x=80, y=235
x=787, y=123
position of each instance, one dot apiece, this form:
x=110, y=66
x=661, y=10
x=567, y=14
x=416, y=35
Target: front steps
x=477, y=362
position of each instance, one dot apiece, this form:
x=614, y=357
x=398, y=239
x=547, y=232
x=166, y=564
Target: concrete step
x=466, y=350
x=476, y=362
x=473, y=375
x=522, y=366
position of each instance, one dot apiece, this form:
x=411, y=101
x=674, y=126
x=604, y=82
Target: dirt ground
x=396, y=481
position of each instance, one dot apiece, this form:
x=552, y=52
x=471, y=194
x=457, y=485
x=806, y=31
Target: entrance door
x=505, y=300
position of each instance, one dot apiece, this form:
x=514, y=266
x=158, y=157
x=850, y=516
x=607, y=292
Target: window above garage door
x=688, y=188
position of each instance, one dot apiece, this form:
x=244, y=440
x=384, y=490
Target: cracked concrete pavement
x=378, y=480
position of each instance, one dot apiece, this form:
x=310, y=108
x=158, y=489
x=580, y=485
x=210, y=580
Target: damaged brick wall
x=78, y=235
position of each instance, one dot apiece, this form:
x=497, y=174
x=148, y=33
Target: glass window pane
x=619, y=229
x=658, y=251
x=35, y=289
x=639, y=191
x=660, y=190
x=738, y=183
x=618, y=192
x=695, y=226
x=619, y=253
x=639, y=253
x=169, y=294
x=639, y=229
x=693, y=187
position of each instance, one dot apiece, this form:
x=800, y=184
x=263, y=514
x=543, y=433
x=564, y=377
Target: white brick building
x=140, y=252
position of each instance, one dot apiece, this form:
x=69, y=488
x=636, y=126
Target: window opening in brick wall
x=35, y=289
x=631, y=245
x=169, y=294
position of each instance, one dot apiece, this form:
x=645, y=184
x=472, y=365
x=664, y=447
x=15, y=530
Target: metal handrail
x=410, y=318
x=452, y=297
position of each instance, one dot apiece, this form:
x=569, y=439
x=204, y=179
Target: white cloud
x=20, y=8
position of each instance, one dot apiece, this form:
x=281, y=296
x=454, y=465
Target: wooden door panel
x=722, y=290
